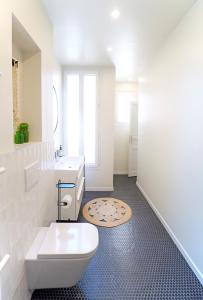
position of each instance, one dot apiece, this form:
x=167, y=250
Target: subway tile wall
x=22, y=213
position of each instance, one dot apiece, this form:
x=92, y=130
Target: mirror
x=55, y=110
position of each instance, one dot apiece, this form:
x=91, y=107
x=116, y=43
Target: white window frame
x=81, y=74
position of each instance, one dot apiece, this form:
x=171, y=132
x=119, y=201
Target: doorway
x=126, y=130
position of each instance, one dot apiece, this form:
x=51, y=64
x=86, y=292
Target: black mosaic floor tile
x=135, y=261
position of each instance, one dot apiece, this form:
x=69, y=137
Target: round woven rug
x=107, y=212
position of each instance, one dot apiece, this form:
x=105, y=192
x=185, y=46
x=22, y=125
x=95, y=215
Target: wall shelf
x=27, y=93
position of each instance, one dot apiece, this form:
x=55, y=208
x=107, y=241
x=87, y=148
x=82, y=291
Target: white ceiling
x=83, y=29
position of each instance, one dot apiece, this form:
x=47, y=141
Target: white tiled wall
x=21, y=213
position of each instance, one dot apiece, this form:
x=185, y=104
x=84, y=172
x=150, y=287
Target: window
x=89, y=104
x=73, y=115
x=81, y=115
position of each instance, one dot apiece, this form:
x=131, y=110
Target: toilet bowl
x=60, y=254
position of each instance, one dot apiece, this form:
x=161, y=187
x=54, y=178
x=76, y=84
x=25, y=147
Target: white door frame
x=133, y=140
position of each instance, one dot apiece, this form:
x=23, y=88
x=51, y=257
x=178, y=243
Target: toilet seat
x=69, y=241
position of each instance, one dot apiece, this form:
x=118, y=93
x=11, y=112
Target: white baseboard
x=125, y=172
x=173, y=236
x=99, y=189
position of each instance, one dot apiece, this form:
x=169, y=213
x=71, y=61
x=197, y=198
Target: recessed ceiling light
x=115, y=14
x=109, y=49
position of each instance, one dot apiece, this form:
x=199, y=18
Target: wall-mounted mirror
x=55, y=110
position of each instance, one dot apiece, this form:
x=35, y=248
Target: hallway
x=137, y=260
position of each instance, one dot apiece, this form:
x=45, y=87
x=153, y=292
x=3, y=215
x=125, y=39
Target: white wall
x=171, y=136
x=57, y=82
x=21, y=213
x=6, y=114
x=101, y=177
x=32, y=16
x=121, y=147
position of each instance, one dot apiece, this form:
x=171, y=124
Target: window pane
x=90, y=118
x=73, y=119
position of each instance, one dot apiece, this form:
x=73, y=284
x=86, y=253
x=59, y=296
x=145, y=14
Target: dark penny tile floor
x=137, y=260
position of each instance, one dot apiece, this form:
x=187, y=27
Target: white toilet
x=60, y=254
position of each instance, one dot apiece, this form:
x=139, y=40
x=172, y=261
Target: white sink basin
x=68, y=168
x=69, y=164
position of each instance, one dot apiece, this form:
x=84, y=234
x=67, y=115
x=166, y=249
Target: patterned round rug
x=107, y=212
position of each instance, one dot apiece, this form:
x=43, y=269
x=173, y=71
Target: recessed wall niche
x=26, y=76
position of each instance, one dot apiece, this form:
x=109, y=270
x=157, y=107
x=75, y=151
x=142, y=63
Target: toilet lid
x=69, y=240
